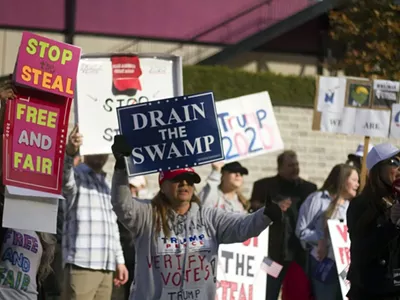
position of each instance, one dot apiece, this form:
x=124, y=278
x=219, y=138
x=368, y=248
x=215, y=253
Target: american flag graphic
x=270, y=267
x=343, y=275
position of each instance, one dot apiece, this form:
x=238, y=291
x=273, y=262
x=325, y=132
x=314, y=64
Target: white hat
x=360, y=150
x=380, y=153
x=137, y=181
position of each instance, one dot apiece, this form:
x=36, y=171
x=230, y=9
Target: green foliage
x=229, y=83
x=368, y=31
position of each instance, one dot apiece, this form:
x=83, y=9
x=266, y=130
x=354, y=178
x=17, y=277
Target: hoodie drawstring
x=185, y=258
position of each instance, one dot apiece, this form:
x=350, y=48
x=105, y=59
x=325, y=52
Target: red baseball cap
x=126, y=72
x=169, y=175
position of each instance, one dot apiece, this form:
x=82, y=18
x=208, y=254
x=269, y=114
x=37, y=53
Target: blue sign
x=171, y=133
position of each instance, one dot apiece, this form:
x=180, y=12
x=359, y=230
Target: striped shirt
x=90, y=231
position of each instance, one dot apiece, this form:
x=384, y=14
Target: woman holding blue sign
x=330, y=202
x=177, y=239
x=222, y=188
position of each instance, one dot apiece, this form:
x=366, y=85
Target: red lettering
x=192, y=259
x=165, y=280
x=233, y=291
x=342, y=231
x=344, y=253
x=207, y=269
x=255, y=242
x=225, y=286
x=267, y=137
x=230, y=122
x=178, y=258
x=201, y=258
x=242, y=293
x=250, y=118
x=229, y=290
x=156, y=261
x=167, y=260
x=242, y=147
x=196, y=273
x=149, y=262
x=177, y=279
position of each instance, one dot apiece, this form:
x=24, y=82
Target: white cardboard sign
x=104, y=83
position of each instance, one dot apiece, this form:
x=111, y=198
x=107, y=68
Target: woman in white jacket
x=222, y=188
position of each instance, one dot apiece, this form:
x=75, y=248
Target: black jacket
x=283, y=243
x=374, y=251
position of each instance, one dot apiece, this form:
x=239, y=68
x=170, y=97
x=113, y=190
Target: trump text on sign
x=248, y=126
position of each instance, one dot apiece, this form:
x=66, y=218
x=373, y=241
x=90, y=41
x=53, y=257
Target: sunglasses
x=394, y=162
x=188, y=179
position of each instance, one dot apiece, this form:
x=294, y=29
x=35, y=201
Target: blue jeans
x=329, y=290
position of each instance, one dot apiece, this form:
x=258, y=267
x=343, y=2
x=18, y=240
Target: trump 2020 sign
x=171, y=133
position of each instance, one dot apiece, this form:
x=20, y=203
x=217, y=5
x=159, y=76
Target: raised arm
x=209, y=194
x=70, y=183
x=133, y=213
x=237, y=228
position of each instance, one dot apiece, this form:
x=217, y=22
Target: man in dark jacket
x=284, y=188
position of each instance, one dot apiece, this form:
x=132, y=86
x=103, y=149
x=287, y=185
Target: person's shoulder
x=143, y=201
x=308, y=184
x=265, y=180
x=316, y=197
x=358, y=202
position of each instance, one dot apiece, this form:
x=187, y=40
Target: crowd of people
x=126, y=242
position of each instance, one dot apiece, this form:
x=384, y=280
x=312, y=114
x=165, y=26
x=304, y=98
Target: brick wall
x=318, y=152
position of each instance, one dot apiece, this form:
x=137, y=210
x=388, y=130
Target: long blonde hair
x=161, y=205
x=243, y=200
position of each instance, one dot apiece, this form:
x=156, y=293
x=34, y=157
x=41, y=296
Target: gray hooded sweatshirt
x=212, y=196
x=183, y=265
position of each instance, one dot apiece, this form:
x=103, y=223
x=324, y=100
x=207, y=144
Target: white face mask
x=143, y=193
